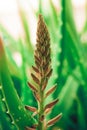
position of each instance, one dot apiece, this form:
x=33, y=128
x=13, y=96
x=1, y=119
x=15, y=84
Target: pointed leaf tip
x=33, y=88
x=51, y=90
x=50, y=105
x=54, y=120
x=33, y=109
x=35, y=69
x=35, y=79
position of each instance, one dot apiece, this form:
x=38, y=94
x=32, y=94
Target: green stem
x=41, y=109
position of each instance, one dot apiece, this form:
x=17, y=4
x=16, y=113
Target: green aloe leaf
x=16, y=109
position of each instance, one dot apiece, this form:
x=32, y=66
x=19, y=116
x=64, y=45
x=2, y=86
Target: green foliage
x=68, y=54
x=14, y=108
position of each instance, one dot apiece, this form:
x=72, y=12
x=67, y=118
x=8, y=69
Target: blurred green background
x=68, y=51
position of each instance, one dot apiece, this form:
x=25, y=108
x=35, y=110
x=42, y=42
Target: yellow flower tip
x=40, y=17
x=41, y=23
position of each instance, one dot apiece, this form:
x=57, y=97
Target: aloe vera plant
x=68, y=60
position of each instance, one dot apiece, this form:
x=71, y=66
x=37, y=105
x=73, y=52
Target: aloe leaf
x=26, y=93
x=16, y=109
x=4, y=119
x=68, y=90
x=25, y=26
x=81, y=115
x=82, y=96
x=54, y=13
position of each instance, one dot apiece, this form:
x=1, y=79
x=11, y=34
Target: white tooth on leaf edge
x=3, y=99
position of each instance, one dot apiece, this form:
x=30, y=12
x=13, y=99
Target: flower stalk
x=41, y=74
